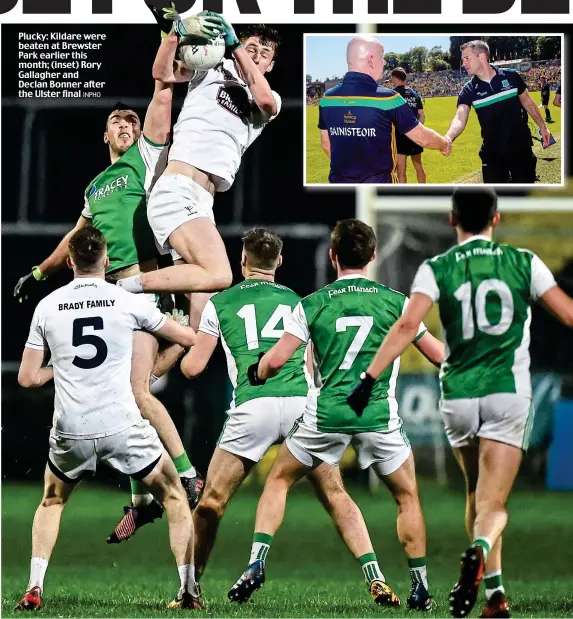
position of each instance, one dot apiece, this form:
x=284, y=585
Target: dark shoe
x=382, y=594
x=32, y=600
x=419, y=598
x=464, y=594
x=252, y=578
x=496, y=606
x=193, y=487
x=188, y=599
x=133, y=519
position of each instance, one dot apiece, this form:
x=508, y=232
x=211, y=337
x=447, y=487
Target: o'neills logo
x=349, y=119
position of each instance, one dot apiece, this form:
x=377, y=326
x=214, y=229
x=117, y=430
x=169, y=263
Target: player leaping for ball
x=225, y=110
x=115, y=204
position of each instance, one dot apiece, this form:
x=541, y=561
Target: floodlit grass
x=464, y=165
x=309, y=571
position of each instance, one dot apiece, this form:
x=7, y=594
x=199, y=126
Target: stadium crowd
x=449, y=84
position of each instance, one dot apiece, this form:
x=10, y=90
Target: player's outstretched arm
x=157, y=123
x=428, y=138
x=401, y=334
x=560, y=304
x=53, y=263
x=459, y=122
x=31, y=373
x=531, y=108
x=195, y=361
x=431, y=348
x=174, y=332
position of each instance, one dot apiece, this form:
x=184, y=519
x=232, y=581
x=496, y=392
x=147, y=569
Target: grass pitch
x=463, y=166
x=309, y=571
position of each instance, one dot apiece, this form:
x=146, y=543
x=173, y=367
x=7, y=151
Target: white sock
x=131, y=284
x=191, y=578
x=183, y=576
x=38, y=567
x=189, y=472
x=259, y=552
x=141, y=499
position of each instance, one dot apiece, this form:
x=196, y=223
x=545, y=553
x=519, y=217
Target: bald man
x=358, y=120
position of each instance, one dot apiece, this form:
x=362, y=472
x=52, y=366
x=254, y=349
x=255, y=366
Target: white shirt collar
x=353, y=276
x=481, y=237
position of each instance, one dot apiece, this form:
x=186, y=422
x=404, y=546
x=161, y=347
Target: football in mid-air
x=201, y=57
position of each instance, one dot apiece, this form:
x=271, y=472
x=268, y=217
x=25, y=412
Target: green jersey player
x=345, y=321
x=115, y=203
x=248, y=319
x=484, y=291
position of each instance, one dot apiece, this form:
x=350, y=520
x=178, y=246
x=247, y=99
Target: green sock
x=184, y=466
x=485, y=544
x=261, y=546
x=418, y=571
x=370, y=567
x=140, y=495
x=493, y=583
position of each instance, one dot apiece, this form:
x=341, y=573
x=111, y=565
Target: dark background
x=70, y=141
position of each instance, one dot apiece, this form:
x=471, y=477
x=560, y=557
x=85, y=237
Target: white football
x=202, y=57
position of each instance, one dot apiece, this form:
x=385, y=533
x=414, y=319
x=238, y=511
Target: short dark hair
x=399, y=73
x=474, y=208
x=477, y=46
x=120, y=106
x=86, y=247
x=353, y=243
x=263, y=248
x=268, y=36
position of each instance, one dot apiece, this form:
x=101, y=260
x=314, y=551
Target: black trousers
x=508, y=168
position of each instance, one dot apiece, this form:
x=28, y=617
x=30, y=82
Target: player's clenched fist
x=359, y=396
x=24, y=286
x=253, y=373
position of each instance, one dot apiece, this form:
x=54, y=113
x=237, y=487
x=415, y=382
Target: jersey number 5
x=79, y=338
x=489, y=286
x=249, y=315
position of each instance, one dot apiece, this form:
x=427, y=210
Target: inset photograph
x=433, y=109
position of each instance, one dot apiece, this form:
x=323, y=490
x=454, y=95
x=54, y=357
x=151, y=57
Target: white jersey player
x=225, y=110
x=88, y=328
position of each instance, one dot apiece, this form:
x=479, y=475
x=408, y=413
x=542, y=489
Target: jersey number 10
x=489, y=286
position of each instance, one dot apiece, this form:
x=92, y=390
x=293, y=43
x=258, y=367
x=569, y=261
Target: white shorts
x=389, y=450
x=503, y=417
x=174, y=200
x=131, y=451
x=252, y=427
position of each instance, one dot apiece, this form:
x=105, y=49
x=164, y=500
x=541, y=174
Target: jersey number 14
x=249, y=314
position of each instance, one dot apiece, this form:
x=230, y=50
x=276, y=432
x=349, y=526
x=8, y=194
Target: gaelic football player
x=115, y=203
x=88, y=326
x=484, y=291
x=344, y=321
x=225, y=110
